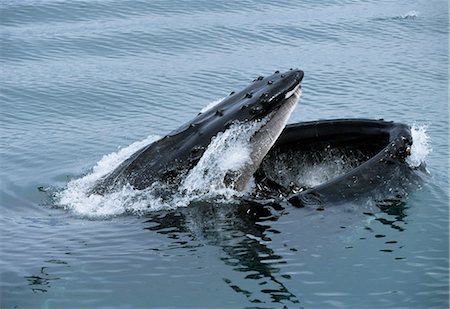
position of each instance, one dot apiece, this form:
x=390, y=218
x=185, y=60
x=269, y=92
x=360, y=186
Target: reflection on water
x=42, y=281
x=244, y=240
x=394, y=207
x=255, y=265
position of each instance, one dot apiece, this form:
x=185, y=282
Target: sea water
x=86, y=83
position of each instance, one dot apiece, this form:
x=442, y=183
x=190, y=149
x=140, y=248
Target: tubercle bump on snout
x=262, y=96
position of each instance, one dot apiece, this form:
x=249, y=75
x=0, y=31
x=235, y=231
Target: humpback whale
x=354, y=157
x=268, y=100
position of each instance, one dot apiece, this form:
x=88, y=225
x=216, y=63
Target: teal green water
x=79, y=79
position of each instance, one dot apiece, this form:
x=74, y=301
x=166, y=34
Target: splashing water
x=75, y=197
x=310, y=169
x=421, y=147
x=410, y=15
x=227, y=152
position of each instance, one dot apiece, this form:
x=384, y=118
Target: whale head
x=267, y=100
x=255, y=102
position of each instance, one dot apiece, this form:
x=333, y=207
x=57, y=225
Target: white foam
x=410, y=15
x=76, y=199
x=421, y=147
x=127, y=200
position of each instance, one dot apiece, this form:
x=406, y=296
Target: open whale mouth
x=245, y=137
x=296, y=91
x=274, y=122
x=234, y=155
x=264, y=138
x=250, y=123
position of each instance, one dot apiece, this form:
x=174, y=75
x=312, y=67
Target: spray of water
x=421, y=147
x=228, y=152
x=75, y=198
x=310, y=169
x=410, y=15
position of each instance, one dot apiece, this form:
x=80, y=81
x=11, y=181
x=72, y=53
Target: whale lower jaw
x=263, y=140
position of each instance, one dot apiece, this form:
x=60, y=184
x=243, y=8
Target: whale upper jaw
x=263, y=96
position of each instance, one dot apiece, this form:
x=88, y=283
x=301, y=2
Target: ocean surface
x=86, y=83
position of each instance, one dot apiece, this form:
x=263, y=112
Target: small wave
x=211, y=105
x=409, y=15
x=421, y=147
